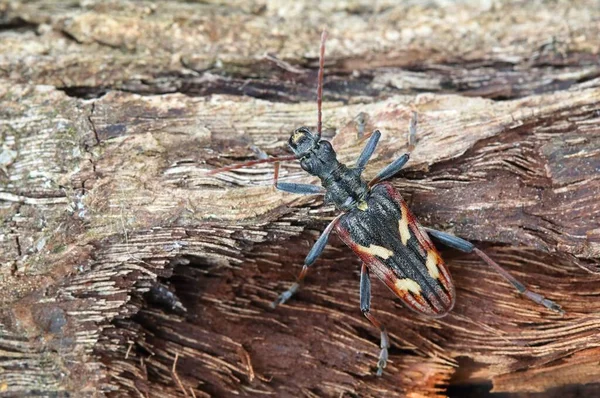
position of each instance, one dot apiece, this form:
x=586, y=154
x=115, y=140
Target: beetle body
x=395, y=247
x=378, y=226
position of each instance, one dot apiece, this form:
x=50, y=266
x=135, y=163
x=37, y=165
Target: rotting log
x=127, y=271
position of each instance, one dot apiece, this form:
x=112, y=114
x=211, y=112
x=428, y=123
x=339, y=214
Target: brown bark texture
x=127, y=271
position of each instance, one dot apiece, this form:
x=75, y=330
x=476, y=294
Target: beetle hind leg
x=365, y=307
x=467, y=247
x=521, y=288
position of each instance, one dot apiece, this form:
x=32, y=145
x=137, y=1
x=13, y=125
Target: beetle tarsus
x=538, y=298
x=365, y=307
x=383, y=355
x=285, y=296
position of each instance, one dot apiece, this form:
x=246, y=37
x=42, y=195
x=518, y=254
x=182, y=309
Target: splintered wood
x=126, y=270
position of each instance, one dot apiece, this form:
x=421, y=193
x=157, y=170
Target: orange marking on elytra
x=375, y=250
x=431, y=263
x=403, y=225
x=407, y=285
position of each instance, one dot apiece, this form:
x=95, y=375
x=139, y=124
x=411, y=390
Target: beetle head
x=316, y=156
x=303, y=141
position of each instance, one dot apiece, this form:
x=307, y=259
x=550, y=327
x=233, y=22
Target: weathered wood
x=106, y=209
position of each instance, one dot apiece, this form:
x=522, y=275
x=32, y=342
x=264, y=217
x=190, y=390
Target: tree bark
x=127, y=270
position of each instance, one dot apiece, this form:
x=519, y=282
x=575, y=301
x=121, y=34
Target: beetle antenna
x=320, y=82
x=319, y=121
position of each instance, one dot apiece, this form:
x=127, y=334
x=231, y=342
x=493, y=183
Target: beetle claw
x=285, y=296
x=382, y=363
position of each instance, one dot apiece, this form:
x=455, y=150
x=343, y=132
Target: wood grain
x=126, y=270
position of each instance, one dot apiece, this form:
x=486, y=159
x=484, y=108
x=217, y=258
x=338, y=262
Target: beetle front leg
x=312, y=256
x=399, y=163
x=365, y=307
x=368, y=150
x=467, y=247
x=301, y=189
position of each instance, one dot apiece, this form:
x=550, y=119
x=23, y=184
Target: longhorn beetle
x=378, y=226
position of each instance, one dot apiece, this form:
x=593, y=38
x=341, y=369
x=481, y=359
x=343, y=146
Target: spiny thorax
x=345, y=187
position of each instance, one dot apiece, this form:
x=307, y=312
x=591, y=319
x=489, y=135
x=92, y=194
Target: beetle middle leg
x=467, y=247
x=312, y=256
x=365, y=307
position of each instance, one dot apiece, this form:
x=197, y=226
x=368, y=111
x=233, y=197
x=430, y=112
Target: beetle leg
x=467, y=247
x=365, y=307
x=390, y=169
x=366, y=153
x=302, y=189
x=312, y=256
x=397, y=164
x=262, y=155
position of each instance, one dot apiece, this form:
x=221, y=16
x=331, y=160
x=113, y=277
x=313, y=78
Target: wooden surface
x=125, y=270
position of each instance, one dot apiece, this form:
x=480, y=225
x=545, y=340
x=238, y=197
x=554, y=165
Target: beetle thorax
x=344, y=185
